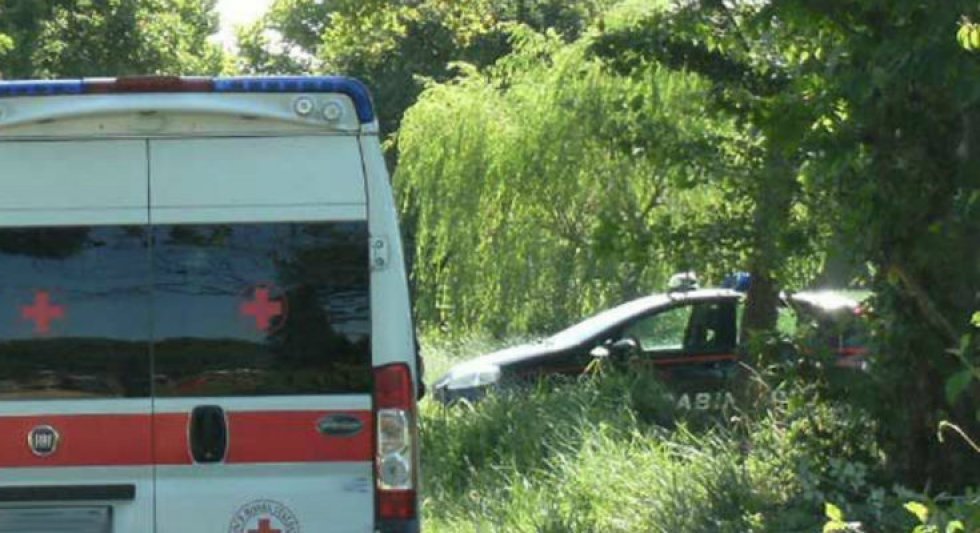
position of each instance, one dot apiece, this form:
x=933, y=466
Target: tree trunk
x=773, y=200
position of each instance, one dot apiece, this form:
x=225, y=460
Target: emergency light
x=352, y=88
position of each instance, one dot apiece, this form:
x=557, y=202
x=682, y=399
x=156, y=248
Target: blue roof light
x=303, y=84
x=164, y=84
x=737, y=281
x=40, y=87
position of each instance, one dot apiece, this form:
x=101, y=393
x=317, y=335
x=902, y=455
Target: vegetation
x=556, y=157
x=596, y=455
x=392, y=46
x=566, y=170
x=798, y=72
x=62, y=38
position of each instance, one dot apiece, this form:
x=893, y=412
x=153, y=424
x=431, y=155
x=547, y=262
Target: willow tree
x=545, y=187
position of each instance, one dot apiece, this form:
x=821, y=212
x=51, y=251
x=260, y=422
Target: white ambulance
x=204, y=314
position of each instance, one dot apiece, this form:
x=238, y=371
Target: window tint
x=662, y=331
x=254, y=309
x=74, y=312
x=712, y=328
x=704, y=327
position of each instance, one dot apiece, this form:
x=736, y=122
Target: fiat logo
x=43, y=440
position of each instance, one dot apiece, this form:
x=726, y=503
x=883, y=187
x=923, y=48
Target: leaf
x=976, y=319
x=833, y=512
x=919, y=510
x=955, y=526
x=958, y=383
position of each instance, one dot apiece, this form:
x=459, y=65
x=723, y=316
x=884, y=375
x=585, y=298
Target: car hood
x=502, y=358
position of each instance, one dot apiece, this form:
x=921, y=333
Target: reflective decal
x=684, y=402
x=264, y=516
x=266, y=307
x=42, y=312
x=703, y=401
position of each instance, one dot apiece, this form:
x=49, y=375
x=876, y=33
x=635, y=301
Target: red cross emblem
x=42, y=312
x=265, y=526
x=263, y=308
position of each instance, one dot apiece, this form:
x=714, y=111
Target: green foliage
x=758, y=73
x=591, y=455
x=286, y=39
x=394, y=46
x=868, y=111
x=575, y=459
x=969, y=36
x=930, y=517
x=545, y=188
x=71, y=38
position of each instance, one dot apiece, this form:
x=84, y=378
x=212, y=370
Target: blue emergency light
x=737, y=281
x=352, y=88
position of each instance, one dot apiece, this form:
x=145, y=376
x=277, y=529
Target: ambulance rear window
x=74, y=312
x=261, y=309
x=184, y=310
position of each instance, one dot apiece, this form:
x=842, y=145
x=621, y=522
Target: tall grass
x=577, y=457
x=603, y=453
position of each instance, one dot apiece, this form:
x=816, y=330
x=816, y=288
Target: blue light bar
x=352, y=88
x=303, y=84
x=41, y=87
x=737, y=281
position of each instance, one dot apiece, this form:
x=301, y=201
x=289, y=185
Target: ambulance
x=204, y=312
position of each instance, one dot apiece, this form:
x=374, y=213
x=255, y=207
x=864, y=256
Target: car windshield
x=596, y=324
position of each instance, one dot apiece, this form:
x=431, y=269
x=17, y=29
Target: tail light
x=396, y=453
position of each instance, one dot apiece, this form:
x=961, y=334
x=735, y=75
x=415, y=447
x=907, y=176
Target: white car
x=204, y=314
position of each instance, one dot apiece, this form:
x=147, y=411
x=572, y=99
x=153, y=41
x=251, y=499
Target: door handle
x=208, y=434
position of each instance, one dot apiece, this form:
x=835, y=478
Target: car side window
x=712, y=328
x=663, y=331
x=703, y=327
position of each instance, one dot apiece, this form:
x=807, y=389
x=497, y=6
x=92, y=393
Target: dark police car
x=688, y=336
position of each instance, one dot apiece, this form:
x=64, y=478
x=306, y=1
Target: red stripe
x=172, y=446
x=86, y=440
x=293, y=437
x=125, y=440
x=692, y=359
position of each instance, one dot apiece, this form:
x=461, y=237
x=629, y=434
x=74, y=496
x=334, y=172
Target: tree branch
x=925, y=304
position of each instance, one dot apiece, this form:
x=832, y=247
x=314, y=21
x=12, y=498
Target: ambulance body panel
x=204, y=317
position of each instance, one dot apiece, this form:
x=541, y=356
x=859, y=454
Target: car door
x=75, y=406
x=691, y=345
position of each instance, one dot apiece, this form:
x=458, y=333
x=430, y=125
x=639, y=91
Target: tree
x=761, y=84
x=109, y=38
x=394, y=46
x=545, y=188
x=870, y=106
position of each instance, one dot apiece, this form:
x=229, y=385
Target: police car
x=688, y=336
x=204, y=314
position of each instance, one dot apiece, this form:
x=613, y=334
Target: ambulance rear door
x=261, y=341
x=75, y=407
